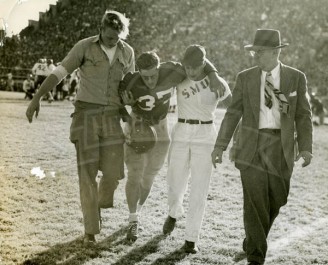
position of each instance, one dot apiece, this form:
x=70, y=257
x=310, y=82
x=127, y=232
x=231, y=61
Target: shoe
x=89, y=240
x=253, y=263
x=190, y=247
x=244, y=244
x=169, y=225
x=132, y=234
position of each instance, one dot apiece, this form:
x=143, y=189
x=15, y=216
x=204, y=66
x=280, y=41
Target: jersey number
x=148, y=101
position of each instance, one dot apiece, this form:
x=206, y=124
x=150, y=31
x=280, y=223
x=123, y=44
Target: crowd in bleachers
x=223, y=27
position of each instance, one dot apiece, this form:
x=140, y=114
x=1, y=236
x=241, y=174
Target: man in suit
x=271, y=100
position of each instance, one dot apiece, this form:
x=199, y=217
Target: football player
x=149, y=91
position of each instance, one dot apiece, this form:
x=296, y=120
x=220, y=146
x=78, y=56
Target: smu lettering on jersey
x=196, y=100
x=153, y=104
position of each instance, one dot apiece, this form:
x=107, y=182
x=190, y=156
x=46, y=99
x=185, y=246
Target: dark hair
x=117, y=21
x=148, y=60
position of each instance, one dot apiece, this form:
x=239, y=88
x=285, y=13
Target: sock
x=133, y=217
x=139, y=208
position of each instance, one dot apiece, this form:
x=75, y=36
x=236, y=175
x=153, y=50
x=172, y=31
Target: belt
x=194, y=121
x=272, y=131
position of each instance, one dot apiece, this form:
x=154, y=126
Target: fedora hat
x=266, y=39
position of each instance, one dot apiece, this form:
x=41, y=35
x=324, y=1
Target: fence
x=19, y=75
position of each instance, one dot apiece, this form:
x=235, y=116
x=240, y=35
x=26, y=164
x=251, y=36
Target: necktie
x=283, y=103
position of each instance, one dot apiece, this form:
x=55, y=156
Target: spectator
x=317, y=109
x=10, y=82
x=28, y=86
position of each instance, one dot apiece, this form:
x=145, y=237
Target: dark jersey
x=153, y=104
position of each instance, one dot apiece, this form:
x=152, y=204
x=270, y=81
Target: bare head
x=114, y=26
x=148, y=65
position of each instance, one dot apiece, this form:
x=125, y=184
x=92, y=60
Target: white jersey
x=40, y=69
x=196, y=100
x=50, y=68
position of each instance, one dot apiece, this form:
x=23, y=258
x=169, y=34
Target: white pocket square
x=293, y=94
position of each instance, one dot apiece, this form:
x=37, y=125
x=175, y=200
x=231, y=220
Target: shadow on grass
x=171, y=258
x=73, y=252
x=138, y=254
x=239, y=256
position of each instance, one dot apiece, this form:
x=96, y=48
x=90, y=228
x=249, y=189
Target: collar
x=119, y=44
x=275, y=72
x=113, y=49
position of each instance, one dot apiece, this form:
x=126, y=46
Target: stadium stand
x=168, y=26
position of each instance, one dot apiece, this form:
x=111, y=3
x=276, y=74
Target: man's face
x=195, y=73
x=109, y=37
x=265, y=59
x=150, y=76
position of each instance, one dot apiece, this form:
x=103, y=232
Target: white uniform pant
x=190, y=155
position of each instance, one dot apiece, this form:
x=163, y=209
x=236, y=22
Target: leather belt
x=272, y=131
x=194, y=121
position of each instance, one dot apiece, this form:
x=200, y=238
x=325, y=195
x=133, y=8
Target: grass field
x=41, y=219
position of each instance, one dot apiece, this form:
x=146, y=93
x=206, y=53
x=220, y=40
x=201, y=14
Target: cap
x=194, y=55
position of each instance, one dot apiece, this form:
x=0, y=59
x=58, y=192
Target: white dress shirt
x=270, y=118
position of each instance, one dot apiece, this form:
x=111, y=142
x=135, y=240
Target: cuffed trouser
x=142, y=168
x=98, y=140
x=190, y=154
x=265, y=187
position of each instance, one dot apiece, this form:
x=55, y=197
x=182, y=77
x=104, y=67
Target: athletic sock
x=133, y=217
x=139, y=208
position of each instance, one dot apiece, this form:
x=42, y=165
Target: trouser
x=98, y=140
x=321, y=118
x=265, y=187
x=29, y=94
x=190, y=154
x=142, y=168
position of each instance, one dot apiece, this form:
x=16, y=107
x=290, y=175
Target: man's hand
x=307, y=157
x=128, y=98
x=131, y=127
x=217, y=156
x=219, y=90
x=34, y=106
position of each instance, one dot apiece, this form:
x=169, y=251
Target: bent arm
x=303, y=117
x=231, y=118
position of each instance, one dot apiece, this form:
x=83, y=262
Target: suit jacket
x=245, y=106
